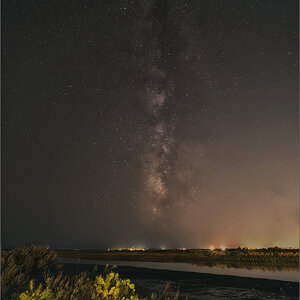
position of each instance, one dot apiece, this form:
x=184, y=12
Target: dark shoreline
x=237, y=258
x=207, y=281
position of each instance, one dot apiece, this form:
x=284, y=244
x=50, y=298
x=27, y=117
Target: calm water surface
x=285, y=274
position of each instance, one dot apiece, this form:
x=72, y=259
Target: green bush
x=108, y=286
x=78, y=287
x=112, y=287
x=37, y=294
x=40, y=264
x=20, y=265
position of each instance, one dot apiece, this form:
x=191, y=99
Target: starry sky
x=150, y=123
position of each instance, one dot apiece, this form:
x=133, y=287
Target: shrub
x=40, y=264
x=108, y=286
x=19, y=265
x=81, y=287
x=76, y=287
x=113, y=287
x=37, y=294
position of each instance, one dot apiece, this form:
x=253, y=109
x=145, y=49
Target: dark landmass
x=271, y=257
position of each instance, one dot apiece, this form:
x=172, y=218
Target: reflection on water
x=238, y=265
x=253, y=271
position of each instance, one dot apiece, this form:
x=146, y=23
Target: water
x=285, y=274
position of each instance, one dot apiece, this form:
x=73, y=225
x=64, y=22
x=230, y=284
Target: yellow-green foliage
x=76, y=287
x=80, y=287
x=113, y=287
x=37, y=294
x=108, y=286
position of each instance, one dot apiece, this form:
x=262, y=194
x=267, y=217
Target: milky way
x=155, y=96
x=167, y=39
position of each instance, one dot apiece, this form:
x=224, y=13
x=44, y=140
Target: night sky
x=150, y=123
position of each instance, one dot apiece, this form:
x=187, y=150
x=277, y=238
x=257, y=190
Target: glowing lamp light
x=211, y=248
x=223, y=248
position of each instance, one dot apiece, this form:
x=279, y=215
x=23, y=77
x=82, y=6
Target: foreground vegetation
x=33, y=273
x=240, y=257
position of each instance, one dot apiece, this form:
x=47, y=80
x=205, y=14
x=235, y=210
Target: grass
x=270, y=257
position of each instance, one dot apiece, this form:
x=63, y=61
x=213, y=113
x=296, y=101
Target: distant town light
x=211, y=247
x=223, y=248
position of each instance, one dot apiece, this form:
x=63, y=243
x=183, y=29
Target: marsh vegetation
x=34, y=273
x=240, y=257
